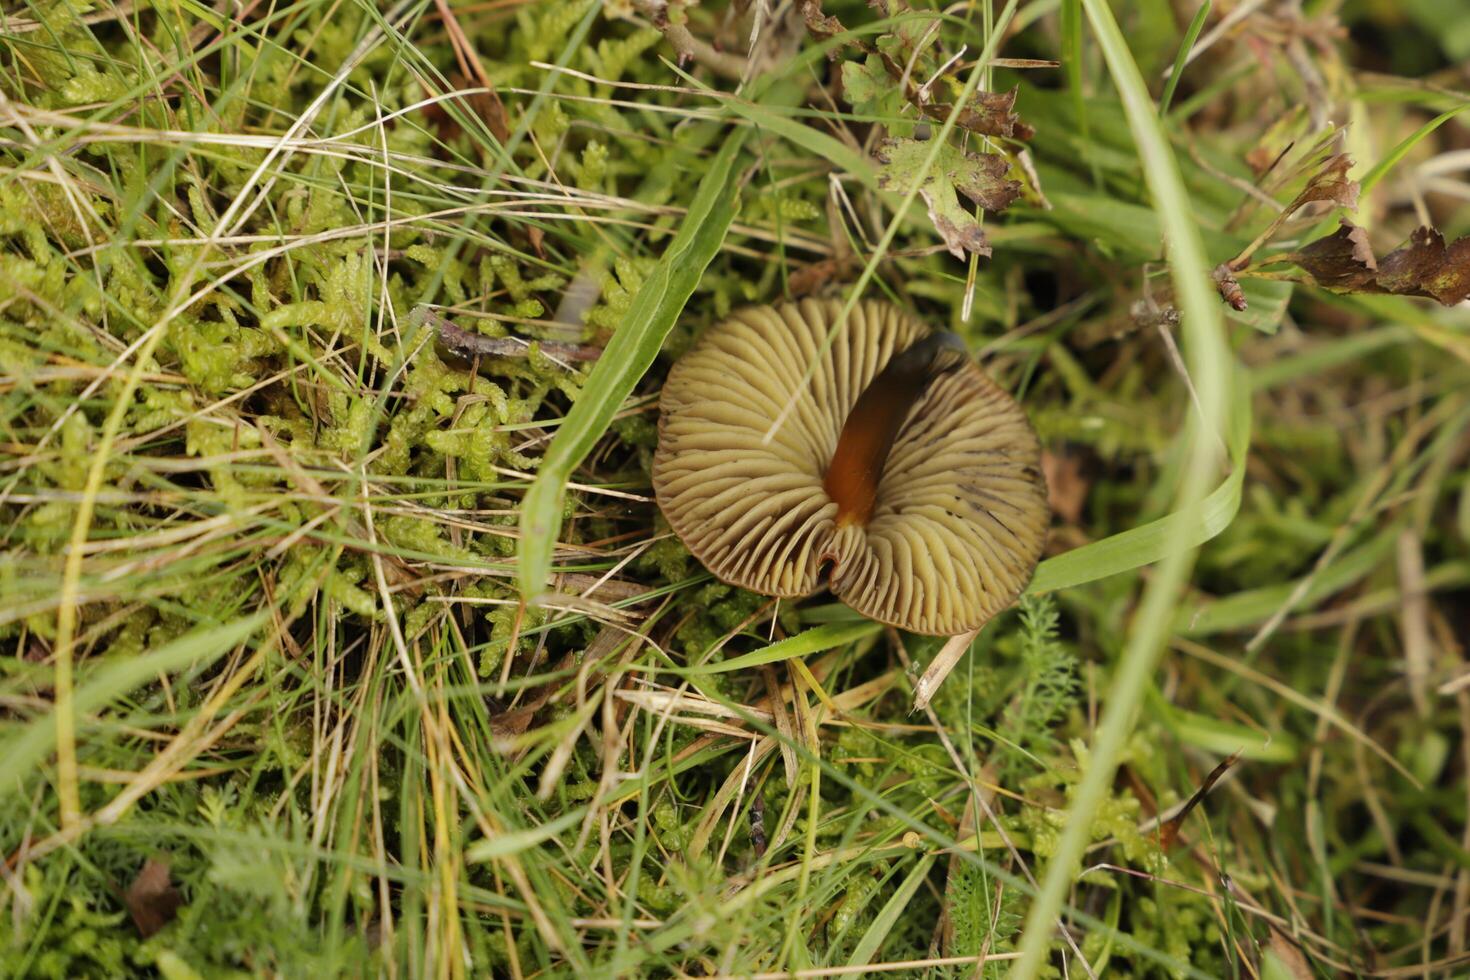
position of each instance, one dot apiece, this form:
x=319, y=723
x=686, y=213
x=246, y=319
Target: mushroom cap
x=961, y=513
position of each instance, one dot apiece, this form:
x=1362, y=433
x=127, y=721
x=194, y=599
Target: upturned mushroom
x=901, y=471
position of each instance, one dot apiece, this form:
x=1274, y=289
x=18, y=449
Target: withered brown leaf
x=980, y=177
x=987, y=114
x=1425, y=266
x=152, y=901
x=1331, y=183
x=1342, y=260
x=1422, y=266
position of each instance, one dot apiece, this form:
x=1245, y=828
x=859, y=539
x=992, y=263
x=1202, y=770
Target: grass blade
x=1400, y=151
x=631, y=351
x=27, y=749
x=1182, y=58
x=1158, y=539
x=1211, y=367
x=803, y=644
x=515, y=841
x=896, y=905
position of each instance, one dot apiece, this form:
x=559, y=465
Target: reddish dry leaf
x=1342, y=260
x=818, y=24
x=815, y=276
x=1423, y=266
x=1331, y=184
x=151, y=899
x=988, y=114
x=1065, y=485
x=1262, y=160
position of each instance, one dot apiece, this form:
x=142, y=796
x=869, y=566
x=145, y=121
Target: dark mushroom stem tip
x=875, y=421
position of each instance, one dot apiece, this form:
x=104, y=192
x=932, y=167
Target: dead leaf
x=1288, y=955
x=1330, y=183
x=815, y=276
x=978, y=176
x=987, y=114
x=1066, y=487
x=151, y=899
x=1423, y=266
x=1342, y=260
x=904, y=59
x=507, y=726
x=819, y=24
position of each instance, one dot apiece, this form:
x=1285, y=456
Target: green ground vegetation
x=271, y=703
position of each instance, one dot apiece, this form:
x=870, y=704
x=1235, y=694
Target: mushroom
x=900, y=469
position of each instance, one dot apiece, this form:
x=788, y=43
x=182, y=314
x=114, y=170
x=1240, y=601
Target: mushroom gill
x=900, y=464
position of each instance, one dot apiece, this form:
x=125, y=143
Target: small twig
x=1169, y=829
x=469, y=345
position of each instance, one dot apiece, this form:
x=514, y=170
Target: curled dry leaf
x=986, y=114
x=1330, y=184
x=981, y=177
x=1423, y=266
x=1342, y=260
x=1067, y=487
x=152, y=900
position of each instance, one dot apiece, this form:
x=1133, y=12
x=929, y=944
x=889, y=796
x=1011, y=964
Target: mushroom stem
x=877, y=418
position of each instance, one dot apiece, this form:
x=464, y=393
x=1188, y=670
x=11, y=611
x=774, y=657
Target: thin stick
x=470, y=345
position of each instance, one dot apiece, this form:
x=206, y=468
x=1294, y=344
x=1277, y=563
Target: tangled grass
x=271, y=702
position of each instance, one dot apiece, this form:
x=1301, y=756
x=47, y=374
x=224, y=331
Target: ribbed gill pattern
x=961, y=514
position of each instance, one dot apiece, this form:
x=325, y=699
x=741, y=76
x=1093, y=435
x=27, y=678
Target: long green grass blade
x=1186, y=45
x=1166, y=536
x=515, y=841
x=629, y=354
x=1400, y=151
x=888, y=916
x=803, y=644
x=1071, y=30
x=1211, y=368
